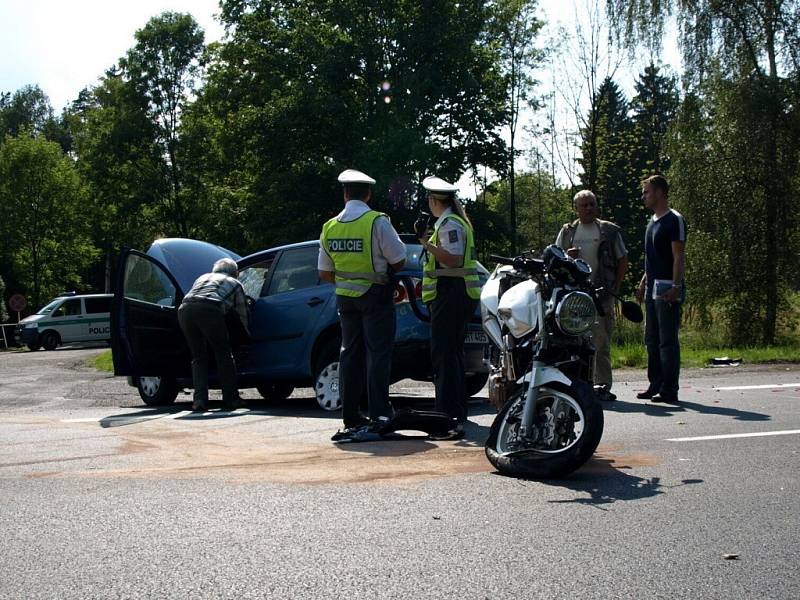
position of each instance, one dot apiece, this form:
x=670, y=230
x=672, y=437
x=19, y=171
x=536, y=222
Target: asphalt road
x=102, y=497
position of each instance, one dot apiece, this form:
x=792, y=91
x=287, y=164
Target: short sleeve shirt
x=452, y=236
x=661, y=232
x=387, y=247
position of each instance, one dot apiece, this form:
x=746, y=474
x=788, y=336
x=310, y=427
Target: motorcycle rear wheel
x=551, y=464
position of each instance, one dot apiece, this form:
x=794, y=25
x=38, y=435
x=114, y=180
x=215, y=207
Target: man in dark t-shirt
x=662, y=289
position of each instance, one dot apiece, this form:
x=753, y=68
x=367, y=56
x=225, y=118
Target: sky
x=66, y=45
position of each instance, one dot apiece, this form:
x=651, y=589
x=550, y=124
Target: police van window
x=254, y=277
x=146, y=282
x=97, y=305
x=296, y=270
x=46, y=310
x=69, y=308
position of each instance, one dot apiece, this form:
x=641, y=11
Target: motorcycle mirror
x=632, y=311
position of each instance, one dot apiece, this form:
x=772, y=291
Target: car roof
x=188, y=259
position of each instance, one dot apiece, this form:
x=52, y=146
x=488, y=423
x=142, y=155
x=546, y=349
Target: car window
x=146, y=282
x=69, y=308
x=255, y=277
x=97, y=305
x=296, y=270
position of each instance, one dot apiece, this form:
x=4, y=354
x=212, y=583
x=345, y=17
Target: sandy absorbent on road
x=167, y=450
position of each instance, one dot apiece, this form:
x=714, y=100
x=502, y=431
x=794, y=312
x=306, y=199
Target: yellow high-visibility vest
x=349, y=245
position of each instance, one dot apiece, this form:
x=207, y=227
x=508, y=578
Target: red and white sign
x=17, y=303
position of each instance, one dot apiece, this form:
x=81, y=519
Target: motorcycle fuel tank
x=520, y=308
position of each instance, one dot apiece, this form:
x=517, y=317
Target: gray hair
x=226, y=266
x=588, y=194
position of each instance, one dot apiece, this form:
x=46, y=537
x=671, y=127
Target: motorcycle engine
x=499, y=388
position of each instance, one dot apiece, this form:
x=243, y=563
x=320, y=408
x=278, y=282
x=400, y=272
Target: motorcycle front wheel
x=568, y=425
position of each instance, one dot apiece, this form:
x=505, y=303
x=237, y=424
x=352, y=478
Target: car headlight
x=33, y=325
x=576, y=313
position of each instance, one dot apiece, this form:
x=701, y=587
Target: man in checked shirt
x=202, y=318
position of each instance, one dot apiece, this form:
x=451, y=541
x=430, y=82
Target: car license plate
x=475, y=337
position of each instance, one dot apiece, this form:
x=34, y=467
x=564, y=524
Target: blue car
x=295, y=334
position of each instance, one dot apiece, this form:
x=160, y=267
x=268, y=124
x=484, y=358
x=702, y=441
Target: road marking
x=734, y=435
x=759, y=387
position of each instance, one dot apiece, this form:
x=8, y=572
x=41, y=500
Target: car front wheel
x=50, y=340
x=157, y=391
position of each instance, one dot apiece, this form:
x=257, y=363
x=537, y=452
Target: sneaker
x=646, y=395
x=365, y=433
x=456, y=433
x=347, y=432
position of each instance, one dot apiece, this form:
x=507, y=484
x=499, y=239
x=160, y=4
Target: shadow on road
x=668, y=410
x=607, y=484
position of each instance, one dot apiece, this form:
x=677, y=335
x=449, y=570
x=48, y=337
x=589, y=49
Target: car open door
x=146, y=339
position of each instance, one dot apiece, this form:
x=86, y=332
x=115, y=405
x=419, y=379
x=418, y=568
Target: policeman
x=450, y=288
x=201, y=316
x=357, y=248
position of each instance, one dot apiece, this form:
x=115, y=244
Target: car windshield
x=46, y=310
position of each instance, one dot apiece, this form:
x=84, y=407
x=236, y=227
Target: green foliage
x=302, y=90
x=162, y=68
x=3, y=310
x=45, y=222
x=542, y=210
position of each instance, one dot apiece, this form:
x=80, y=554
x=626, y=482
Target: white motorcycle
x=538, y=314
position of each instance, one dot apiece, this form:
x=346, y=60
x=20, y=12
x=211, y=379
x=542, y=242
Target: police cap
x=353, y=176
x=436, y=185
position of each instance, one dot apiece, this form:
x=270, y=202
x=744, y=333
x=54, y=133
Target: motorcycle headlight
x=576, y=313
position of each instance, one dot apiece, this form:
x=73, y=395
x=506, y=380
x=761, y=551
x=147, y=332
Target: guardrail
x=7, y=334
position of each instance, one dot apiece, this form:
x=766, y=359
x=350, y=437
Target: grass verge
x=635, y=355
x=103, y=362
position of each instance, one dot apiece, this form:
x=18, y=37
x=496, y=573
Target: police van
x=67, y=318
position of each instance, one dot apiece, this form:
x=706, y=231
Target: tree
x=300, y=91
x=164, y=66
x=45, y=219
x=754, y=43
x=121, y=163
x=28, y=109
x=517, y=27
x=3, y=311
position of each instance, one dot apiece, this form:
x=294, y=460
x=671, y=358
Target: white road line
x=759, y=387
x=734, y=435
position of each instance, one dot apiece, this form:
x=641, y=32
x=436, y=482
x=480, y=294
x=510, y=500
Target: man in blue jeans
x=662, y=289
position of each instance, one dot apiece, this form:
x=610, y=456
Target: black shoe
x=238, y=402
x=604, y=394
x=199, y=407
x=646, y=395
x=667, y=399
x=456, y=433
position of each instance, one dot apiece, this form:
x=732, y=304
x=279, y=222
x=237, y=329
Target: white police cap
x=436, y=185
x=353, y=176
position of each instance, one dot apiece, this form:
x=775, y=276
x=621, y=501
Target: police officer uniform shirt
x=452, y=236
x=387, y=247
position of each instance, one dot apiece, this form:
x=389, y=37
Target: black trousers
x=661, y=325
x=365, y=360
x=203, y=324
x=451, y=310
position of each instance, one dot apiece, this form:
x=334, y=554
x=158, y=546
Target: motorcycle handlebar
x=531, y=265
